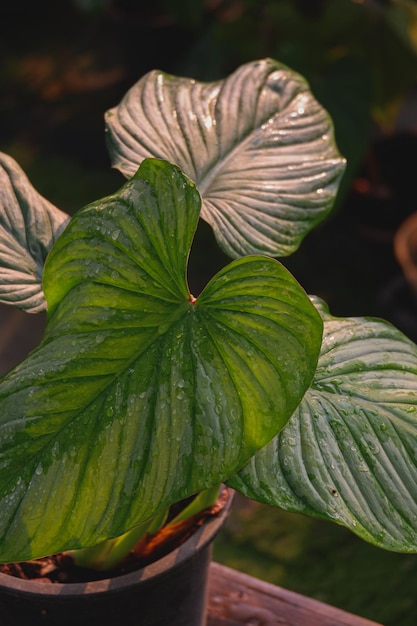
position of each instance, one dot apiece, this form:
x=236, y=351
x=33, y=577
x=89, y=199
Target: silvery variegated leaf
x=29, y=225
x=258, y=145
x=349, y=452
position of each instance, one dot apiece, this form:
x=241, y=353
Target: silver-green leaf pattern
x=140, y=394
x=349, y=453
x=258, y=145
x=29, y=225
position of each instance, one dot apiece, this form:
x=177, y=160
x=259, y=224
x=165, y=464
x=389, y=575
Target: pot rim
x=199, y=540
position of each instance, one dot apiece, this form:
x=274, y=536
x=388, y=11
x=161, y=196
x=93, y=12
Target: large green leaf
x=349, y=453
x=29, y=225
x=139, y=394
x=259, y=146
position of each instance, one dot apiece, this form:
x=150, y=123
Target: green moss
x=320, y=560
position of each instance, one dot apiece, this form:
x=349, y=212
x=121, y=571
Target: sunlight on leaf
x=139, y=394
x=258, y=145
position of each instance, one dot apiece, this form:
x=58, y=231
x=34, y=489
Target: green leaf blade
x=348, y=454
x=232, y=309
x=259, y=146
x=137, y=396
x=131, y=248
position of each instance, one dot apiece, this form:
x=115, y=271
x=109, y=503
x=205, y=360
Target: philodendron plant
x=142, y=394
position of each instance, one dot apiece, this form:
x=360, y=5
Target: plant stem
x=202, y=501
x=108, y=554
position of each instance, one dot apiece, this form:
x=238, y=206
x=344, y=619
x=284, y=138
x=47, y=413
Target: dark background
x=63, y=64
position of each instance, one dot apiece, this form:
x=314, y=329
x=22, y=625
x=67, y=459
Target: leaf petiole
x=108, y=554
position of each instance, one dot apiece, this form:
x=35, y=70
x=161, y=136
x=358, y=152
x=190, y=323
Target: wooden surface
x=236, y=599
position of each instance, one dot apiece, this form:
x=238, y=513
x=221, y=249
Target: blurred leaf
x=345, y=90
x=402, y=16
x=188, y=13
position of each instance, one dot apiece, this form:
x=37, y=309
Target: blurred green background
x=63, y=64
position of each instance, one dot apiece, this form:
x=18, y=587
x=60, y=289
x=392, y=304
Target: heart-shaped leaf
x=259, y=146
x=139, y=394
x=29, y=225
x=349, y=453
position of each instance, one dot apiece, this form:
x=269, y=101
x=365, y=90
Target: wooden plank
x=236, y=599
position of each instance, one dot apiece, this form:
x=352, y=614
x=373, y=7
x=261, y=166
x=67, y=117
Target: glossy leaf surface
x=349, y=452
x=258, y=145
x=139, y=394
x=29, y=225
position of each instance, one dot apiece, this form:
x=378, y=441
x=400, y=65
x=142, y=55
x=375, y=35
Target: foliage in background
x=359, y=56
x=320, y=560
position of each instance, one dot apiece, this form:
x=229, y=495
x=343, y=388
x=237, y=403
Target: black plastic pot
x=170, y=591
